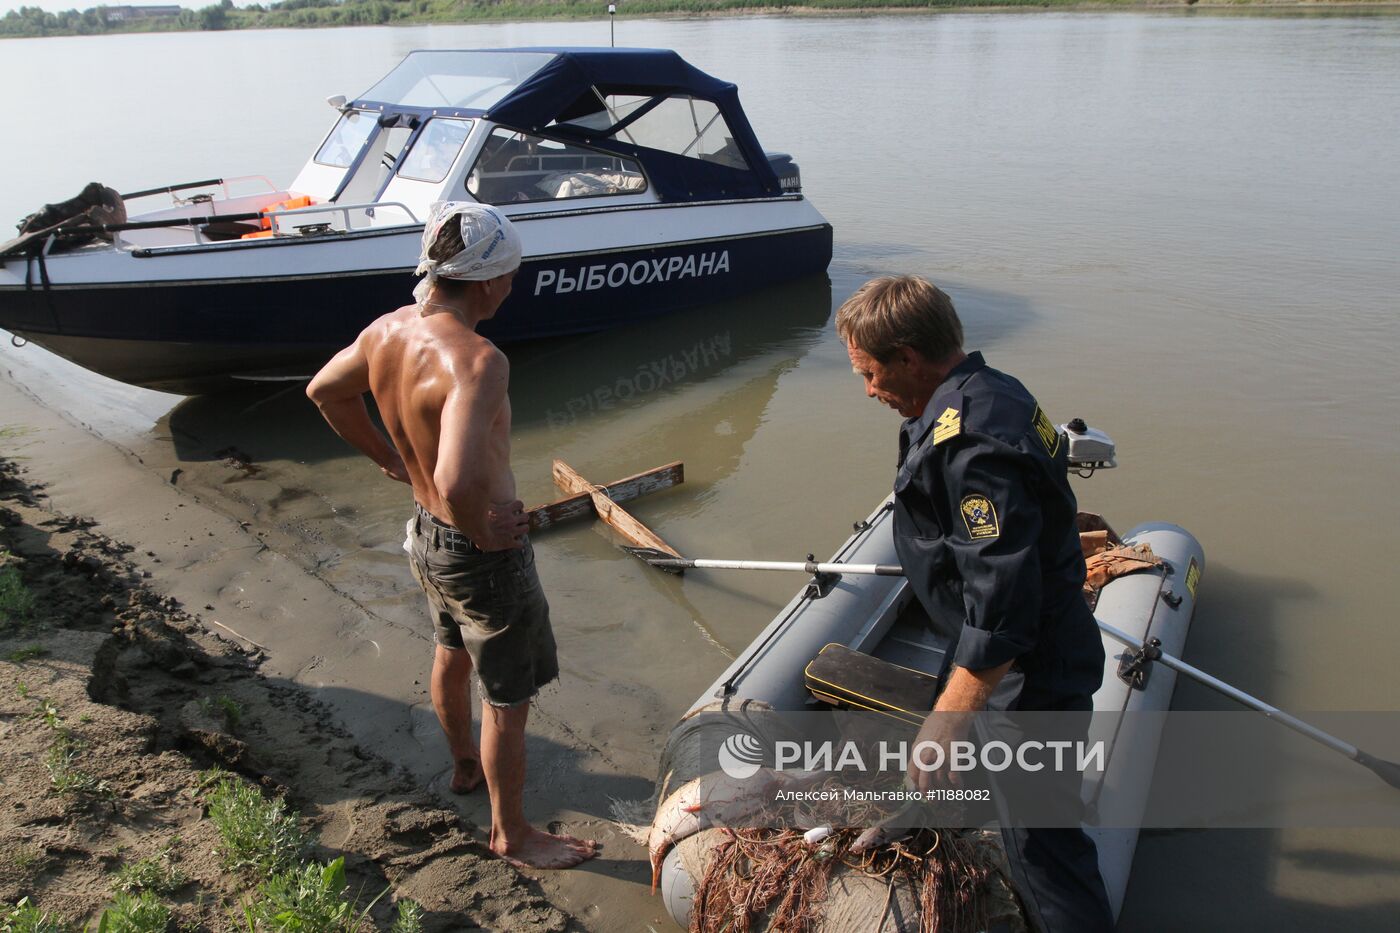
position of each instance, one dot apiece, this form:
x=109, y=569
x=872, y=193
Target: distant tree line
x=32, y=21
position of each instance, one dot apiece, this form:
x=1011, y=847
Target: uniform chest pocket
x=915, y=513
x=903, y=478
x=917, y=492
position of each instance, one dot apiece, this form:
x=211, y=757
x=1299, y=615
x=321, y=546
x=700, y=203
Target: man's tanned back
x=441, y=391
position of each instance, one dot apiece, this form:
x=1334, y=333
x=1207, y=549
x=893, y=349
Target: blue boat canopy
x=685, y=127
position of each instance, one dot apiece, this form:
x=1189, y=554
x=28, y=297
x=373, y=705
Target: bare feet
x=539, y=849
x=466, y=776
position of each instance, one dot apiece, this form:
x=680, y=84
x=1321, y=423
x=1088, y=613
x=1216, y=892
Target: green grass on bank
x=261, y=839
x=16, y=600
x=155, y=874
x=126, y=914
x=258, y=833
x=33, y=22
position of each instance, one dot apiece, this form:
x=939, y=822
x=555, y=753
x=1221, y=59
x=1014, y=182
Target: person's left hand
x=395, y=469
x=509, y=523
x=941, y=729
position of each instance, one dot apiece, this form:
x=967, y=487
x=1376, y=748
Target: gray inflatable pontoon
x=866, y=614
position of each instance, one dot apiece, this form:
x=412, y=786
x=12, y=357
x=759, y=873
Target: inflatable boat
x=876, y=616
x=637, y=183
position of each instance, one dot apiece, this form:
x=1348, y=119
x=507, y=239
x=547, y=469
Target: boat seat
x=221, y=230
x=850, y=679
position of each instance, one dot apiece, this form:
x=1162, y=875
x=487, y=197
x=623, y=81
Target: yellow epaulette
x=949, y=425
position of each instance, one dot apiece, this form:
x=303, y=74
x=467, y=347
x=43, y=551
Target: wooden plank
x=624, y=490
x=636, y=534
x=560, y=510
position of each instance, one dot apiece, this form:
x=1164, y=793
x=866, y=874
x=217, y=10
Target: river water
x=1183, y=228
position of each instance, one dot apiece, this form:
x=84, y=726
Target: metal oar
x=1387, y=771
x=663, y=561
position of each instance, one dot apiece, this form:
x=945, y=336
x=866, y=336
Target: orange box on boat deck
x=290, y=204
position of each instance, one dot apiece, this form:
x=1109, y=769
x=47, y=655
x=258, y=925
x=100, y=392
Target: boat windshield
x=346, y=140
x=470, y=80
x=432, y=155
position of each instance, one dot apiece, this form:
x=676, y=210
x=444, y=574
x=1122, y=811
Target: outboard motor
x=789, y=177
x=1089, y=448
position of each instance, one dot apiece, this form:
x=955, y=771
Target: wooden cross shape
x=589, y=499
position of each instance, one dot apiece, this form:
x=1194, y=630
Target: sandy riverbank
x=149, y=694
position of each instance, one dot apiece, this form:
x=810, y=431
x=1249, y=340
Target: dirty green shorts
x=489, y=603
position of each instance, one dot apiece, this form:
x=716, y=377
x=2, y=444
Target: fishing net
x=748, y=879
x=935, y=881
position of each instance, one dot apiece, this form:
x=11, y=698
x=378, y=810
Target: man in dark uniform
x=984, y=524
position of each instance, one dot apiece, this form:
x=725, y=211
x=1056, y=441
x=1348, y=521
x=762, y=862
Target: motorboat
x=636, y=180
x=874, y=616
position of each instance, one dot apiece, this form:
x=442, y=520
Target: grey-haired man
x=984, y=525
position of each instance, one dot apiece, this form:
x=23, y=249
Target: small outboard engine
x=1089, y=448
x=788, y=174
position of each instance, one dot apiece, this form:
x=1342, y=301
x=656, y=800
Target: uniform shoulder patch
x=980, y=516
x=949, y=425
x=1047, y=432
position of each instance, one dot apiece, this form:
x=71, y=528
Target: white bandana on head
x=492, y=245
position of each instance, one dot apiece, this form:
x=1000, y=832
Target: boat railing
x=265, y=184
x=203, y=197
x=371, y=210
x=183, y=231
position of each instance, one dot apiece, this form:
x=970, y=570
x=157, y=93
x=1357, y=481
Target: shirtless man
x=441, y=392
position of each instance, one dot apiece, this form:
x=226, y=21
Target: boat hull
x=199, y=319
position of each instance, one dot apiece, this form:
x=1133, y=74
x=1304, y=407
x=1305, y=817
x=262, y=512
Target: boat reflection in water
x=561, y=385
x=266, y=457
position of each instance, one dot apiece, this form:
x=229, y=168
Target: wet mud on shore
x=357, y=644
x=139, y=696
x=248, y=502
